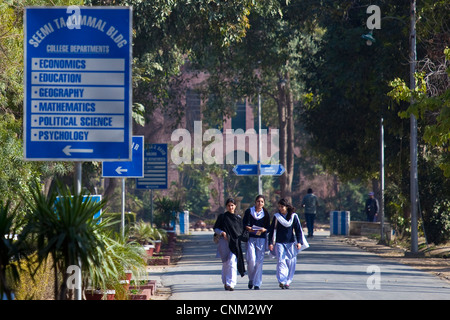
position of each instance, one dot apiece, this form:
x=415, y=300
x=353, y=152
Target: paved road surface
x=328, y=270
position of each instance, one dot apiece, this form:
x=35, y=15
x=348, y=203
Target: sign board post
x=126, y=169
x=77, y=104
x=155, y=170
x=77, y=85
x=259, y=170
x=155, y=167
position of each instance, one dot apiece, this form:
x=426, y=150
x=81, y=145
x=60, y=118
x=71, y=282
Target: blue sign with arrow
x=252, y=170
x=127, y=169
x=77, y=104
x=246, y=169
x=272, y=169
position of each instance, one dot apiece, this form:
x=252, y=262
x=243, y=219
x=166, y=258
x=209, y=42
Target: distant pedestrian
x=310, y=203
x=230, y=229
x=372, y=208
x=257, y=221
x=284, y=224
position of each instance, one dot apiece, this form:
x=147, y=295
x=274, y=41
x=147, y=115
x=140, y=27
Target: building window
x=239, y=120
x=192, y=109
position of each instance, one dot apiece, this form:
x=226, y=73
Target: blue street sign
x=95, y=198
x=246, y=169
x=77, y=104
x=155, y=167
x=252, y=169
x=272, y=169
x=127, y=169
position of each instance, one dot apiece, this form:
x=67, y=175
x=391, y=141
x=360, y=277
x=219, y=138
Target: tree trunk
x=109, y=191
x=286, y=126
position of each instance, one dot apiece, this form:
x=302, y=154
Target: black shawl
x=232, y=225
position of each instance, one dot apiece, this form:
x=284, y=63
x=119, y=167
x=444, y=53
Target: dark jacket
x=232, y=225
x=286, y=235
x=248, y=220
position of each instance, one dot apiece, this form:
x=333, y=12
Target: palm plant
x=119, y=257
x=64, y=228
x=166, y=208
x=159, y=234
x=142, y=232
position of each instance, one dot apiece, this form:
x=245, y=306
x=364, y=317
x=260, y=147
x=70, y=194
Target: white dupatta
x=257, y=215
x=285, y=223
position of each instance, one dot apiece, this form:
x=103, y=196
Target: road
x=328, y=270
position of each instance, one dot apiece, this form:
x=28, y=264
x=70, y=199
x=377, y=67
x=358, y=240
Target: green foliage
x=63, y=227
x=144, y=233
x=165, y=208
x=9, y=229
x=15, y=173
x=36, y=280
x=347, y=85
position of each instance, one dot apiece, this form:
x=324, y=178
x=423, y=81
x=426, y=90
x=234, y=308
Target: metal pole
x=123, y=209
x=77, y=177
x=77, y=182
x=413, y=138
x=151, y=207
x=382, y=179
x=260, y=189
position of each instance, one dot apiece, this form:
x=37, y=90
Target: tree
x=348, y=82
x=64, y=227
x=265, y=61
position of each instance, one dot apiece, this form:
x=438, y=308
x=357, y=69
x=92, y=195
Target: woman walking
x=257, y=222
x=230, y=229
x=285, y=222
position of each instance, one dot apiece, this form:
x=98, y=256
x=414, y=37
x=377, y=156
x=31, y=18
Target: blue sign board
x=155, y=167
x=252, y=170
x=246, y=169
x=77, y=104
x=272, y=169
x=127, y=169
x=94, y=198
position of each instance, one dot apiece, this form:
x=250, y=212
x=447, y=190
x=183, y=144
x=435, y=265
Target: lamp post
x=413, y=124
x=260, y=189
x=382, y=240
x=413, y=133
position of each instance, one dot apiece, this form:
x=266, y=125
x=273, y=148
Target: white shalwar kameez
x=256, y=248
x=229, y=261
x=286, y=252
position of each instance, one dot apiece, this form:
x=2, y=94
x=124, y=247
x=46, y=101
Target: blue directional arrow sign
x=272, y=169
x=246, y=169
x=77, y=86
x=252, y=169
x=127, y=169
